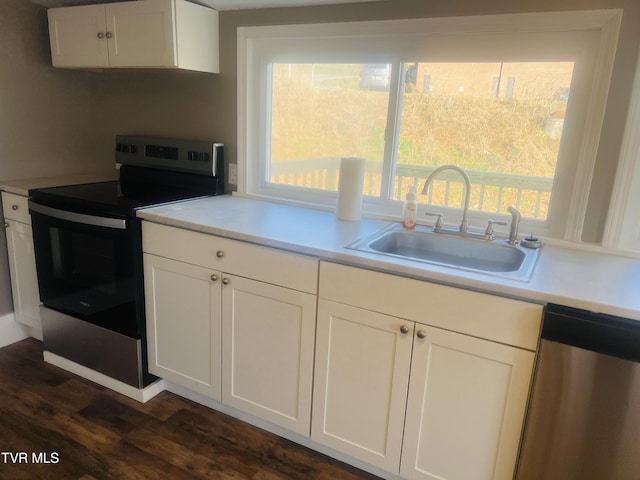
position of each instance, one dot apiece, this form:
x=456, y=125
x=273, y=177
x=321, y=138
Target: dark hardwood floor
x=86, y=431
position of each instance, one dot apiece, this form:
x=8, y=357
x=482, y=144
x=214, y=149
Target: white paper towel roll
x=350, y=184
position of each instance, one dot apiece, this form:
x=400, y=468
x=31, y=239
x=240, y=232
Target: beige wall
x=46, y=115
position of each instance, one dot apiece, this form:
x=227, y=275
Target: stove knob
x=125, y=148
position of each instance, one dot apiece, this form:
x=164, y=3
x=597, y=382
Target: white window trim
x=606, y=22
x=622, y=230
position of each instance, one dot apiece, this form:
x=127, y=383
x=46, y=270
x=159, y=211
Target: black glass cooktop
x=122, y=198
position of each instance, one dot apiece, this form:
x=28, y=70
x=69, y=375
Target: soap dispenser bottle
x=410, y=209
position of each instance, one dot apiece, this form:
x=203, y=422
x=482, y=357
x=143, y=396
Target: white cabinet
x=232, y=320
x=135, y=34
x=22, y=263
x=183, y=323
x=361, y=381
x=267, y=344
x=465, y=409
x=461, y=413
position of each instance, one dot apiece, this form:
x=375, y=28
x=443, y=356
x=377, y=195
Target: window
x=510, y=107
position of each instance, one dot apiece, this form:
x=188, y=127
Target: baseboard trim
x=12, y=331
x=141, y=395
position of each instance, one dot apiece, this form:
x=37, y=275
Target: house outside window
x=510, y=107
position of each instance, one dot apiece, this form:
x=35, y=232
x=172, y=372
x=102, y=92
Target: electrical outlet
x=233, y=174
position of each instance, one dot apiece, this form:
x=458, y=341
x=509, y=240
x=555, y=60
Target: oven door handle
x=85, y=219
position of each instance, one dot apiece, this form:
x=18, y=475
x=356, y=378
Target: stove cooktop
x=137, y=188
x=110, y=197
x=153, y=171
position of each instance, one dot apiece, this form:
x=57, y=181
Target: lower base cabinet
x=420, y=399
x=267, y=351
x=465, y=409
x=417, y=400
x=184, y=324
x=428, y=389
x=360, y=383
x=246, y=343
x=22, y=262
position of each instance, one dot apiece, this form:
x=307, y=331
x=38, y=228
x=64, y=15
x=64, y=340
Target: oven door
x=85, y=267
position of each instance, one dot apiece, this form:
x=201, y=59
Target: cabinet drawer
x=15, y=207
x=232, y=256
x=503, y=320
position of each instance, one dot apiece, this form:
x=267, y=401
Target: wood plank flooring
x=87, y=432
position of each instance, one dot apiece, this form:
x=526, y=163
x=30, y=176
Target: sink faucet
x=515, y=221
x=464, y=225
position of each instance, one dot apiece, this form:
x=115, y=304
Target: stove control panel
x=193, y=156
x=198, y=156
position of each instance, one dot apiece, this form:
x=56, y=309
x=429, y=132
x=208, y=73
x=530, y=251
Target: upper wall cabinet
x=173, y=34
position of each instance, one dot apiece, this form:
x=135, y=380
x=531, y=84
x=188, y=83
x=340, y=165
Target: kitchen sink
x=493, y=257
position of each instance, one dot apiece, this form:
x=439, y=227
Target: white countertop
x=22, y=186
x=573, y=277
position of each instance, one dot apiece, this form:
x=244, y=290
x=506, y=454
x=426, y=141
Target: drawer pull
x=225, y=281
x=404, y=329
x=6, y=224
x=421, y=334
x=214, y=278
x=14, y=207
x=219, y=254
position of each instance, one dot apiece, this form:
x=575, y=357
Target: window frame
x=573, y=178
x=622, y=230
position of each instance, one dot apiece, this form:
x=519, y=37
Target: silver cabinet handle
x=214, y=278
x=225, y=281
x=219, y=254
x=100, y=35
x=421, y=334
x=404, y=329
x=14, y=207
x=109, y=35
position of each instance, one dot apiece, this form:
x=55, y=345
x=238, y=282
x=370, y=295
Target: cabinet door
x=78, y=37
x=183, y=323
x=268, y=339
x=142, y=33
x=361, y=380
x=22, y=268
x=466, y=407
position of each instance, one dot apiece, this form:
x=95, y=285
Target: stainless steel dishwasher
x=584, y=418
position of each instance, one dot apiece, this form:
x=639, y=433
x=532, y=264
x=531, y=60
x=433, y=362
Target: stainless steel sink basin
x=494, y=257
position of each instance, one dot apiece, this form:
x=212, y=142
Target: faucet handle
x=515, y=221
x=438, y=221
x=488, y=233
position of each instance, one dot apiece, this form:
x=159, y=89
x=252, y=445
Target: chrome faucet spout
x=464, y=225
